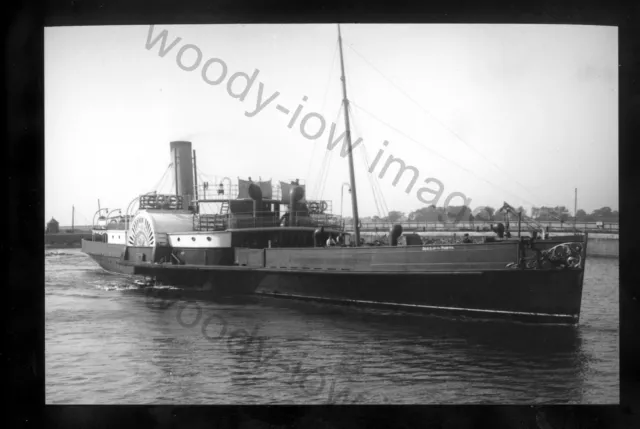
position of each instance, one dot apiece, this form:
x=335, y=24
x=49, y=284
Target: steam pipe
x=394, y=234
x=175, y=169
x=342, y=197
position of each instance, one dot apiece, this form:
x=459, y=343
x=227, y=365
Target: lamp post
x=342, y=196
x=575, y=209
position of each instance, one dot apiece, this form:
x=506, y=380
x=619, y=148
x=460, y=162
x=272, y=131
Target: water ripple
x=104, y=344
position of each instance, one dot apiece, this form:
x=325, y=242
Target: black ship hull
x=544, y=296
x=541, y=296
x=112, y=264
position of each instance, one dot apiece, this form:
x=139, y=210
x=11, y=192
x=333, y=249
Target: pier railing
x=415, y=226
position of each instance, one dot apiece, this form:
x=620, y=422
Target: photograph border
x=24, y=84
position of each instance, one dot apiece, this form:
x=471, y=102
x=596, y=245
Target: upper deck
x=228, y=213
x=265, y=219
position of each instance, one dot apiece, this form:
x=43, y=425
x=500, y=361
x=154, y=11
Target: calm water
x=108, y=342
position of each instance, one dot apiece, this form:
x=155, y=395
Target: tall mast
x=352, y=179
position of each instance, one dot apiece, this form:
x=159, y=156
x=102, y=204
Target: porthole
x=178, y=238
x=208, y=238
x=193, y=239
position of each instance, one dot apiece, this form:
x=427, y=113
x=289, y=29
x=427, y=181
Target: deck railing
x=160, y=201
x=231, y=191
x=221, y=222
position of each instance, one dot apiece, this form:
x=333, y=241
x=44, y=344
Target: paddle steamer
x=271, y=240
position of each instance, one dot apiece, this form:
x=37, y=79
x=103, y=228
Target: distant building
x=549, y=213
x=53, y=227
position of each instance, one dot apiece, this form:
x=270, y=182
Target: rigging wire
x=324, y=100
x=518, y=197
x=383, y=203
x=440, y=122
x=202, y=176
x=320, y=174
x=377, y=188
x=316, y=183
x=80, y=214
x=164, y=179
x=326, y=162
x=173, y=182
x=372, y=185
x=378, y=197
x=318, y=188
x=157, y=185
x=324, y=168
x=323, y=182
x=329, y=156
x=333, y=61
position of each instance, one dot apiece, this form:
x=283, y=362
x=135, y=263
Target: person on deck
x=330, y=241
x=341, y=240
x=466, y=239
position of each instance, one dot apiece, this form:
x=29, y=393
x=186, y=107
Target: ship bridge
x=250, y=213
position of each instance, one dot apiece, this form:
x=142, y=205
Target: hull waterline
x=540, y=296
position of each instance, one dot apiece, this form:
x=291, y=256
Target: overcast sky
x=516, y=113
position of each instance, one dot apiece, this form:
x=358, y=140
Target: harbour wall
x=66, y=240
x=603, y=246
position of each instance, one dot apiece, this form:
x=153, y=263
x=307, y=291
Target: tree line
x=488, y=213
